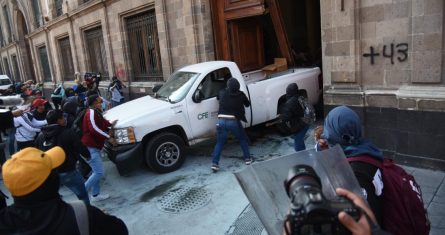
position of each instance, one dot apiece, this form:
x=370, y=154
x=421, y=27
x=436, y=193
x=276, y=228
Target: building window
x=67, y=59
x=59, y=10
x=1, y=68
x=97, y=57
x=15, y=67
x=143, y=43
x=8, y=24
x=2, y=37
x=7, y=71
x=37, y=14
x=44, y=64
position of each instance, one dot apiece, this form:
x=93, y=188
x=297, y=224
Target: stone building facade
x=386, y=59
x=140, y=41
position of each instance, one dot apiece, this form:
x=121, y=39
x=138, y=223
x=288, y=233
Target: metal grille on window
x=96, y=51
x=59, y=10
x=37, y=14
x=46, y=72
x=144, y=47
x=2, y=37
x=7, y=71
x=8, y=25
x=15, y=66
x=67, y=59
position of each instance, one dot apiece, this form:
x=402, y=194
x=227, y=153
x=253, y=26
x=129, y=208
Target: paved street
x=193, y=200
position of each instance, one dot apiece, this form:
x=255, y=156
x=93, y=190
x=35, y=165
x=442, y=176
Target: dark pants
x=57, y=101
x=26, y=144
x=299, y=139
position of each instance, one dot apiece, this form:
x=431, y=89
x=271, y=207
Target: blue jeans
x=74, y=181
x=222, y=128
x=93, y=183
x=299, y=139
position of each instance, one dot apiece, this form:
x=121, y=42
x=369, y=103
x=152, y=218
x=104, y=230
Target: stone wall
x=386, y=59
x=184, y=30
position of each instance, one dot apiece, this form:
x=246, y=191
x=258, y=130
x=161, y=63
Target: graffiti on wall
x=393, y=51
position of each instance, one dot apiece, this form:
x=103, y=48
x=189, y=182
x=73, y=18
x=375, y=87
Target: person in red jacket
x=96, y=130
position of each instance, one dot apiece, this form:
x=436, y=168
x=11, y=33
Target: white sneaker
x=99, y=197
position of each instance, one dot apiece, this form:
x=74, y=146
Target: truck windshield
x=177, y=86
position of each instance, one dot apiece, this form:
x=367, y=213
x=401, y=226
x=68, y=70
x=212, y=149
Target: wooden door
x=247, y=43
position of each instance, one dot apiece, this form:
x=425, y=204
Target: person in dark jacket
x=343, y=126
x=231, y=110
x=40, y=109
x=38, y=208
x=95, y=129
x=56, y=134
x=292, y=115
x=70, y=110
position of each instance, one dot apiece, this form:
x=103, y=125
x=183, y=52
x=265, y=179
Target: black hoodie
x=292, y=111
x=43, y=212
x=68, y=140
x=232, y=101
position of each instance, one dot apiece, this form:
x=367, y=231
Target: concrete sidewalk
x=223, y=207
x=433, y=191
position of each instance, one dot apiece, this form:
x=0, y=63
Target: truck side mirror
x=198, y=96
x=156, y=88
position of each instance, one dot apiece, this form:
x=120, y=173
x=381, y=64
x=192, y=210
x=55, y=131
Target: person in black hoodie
x=231, y=110
x=38, y=208
x=292, y=114
x=56, y=134
x=70, y=111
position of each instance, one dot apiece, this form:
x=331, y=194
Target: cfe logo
x=203, y=115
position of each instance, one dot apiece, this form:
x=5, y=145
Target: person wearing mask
x=31, y=178
x=231, y=111
x=343, y=126
x=57, y=134
x=96, y=130
x=292, y=115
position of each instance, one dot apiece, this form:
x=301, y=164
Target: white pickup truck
x=183, y=112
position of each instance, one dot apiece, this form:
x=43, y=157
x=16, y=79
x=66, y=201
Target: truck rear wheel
x=165, y=152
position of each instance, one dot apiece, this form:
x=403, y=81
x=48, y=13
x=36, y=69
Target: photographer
x=365, y=225
x=115, y=88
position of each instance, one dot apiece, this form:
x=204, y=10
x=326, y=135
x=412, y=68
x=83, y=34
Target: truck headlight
x=124, y=135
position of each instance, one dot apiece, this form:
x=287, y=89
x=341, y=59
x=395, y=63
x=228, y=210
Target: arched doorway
x=24, y=48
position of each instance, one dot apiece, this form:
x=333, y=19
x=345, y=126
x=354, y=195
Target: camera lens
x=301, y=175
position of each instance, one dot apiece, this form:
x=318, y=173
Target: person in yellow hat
x=31, y=179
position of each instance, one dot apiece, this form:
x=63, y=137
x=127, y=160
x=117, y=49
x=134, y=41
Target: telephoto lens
x=310, y=212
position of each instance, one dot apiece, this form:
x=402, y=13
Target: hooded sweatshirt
x=292, y=112
x=342, y=126
x=232, y=101
x=65, y=138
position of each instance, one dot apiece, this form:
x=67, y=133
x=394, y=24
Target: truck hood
x=129, y=112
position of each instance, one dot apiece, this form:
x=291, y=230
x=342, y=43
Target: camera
x=310, y=212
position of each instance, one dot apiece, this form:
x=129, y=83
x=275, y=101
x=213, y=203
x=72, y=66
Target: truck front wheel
x=165, y=152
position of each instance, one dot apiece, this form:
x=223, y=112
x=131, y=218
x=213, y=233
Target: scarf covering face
x=342, y=126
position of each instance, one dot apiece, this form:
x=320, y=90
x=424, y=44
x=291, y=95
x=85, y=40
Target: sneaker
x=248, y=161
x=215, y=168
x=99, y=197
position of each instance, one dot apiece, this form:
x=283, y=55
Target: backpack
x=57, y=90
x=308, y=110
x=403, y=212
x=77, y=123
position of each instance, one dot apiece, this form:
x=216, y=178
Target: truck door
x=203, y=106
